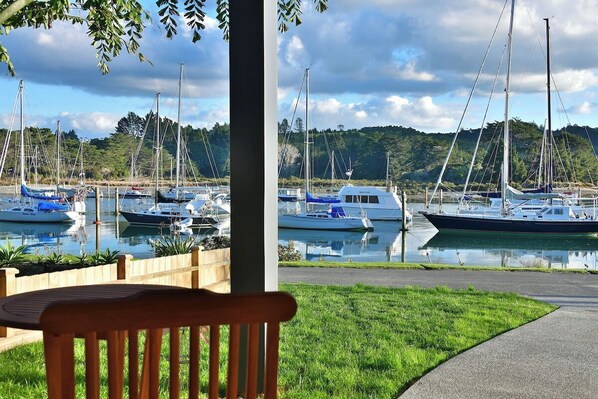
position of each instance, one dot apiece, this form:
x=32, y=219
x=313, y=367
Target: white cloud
x=295, y=52
x=97, y=124
x=584, y=108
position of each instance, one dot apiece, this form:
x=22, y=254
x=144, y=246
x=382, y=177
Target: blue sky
x=377, y=62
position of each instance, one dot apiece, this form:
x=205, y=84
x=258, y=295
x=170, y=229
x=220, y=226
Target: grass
x=350, y=342
x=426, y=266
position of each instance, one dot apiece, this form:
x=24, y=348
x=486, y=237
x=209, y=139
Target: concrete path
x=553, y=357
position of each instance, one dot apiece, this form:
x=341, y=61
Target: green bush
x=10, y=254
x=168, y=245
x=54, y=258
x=215, y=242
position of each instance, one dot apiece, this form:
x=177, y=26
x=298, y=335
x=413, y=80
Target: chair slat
x=232, y=383
x=115, y=369
x=155, y=343
x=133, y=364
x=194, y=362
x=252, y=358
x=214, y=362
x=92, y=366
x=175, y=357
x=271, y=367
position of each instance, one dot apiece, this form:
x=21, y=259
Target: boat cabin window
x=558, y=211
x=362, y=199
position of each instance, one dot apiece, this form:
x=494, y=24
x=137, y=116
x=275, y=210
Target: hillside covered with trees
x=415, y=157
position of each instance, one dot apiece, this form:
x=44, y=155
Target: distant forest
x=415, y=157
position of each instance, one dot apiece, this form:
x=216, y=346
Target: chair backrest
x=154, y=314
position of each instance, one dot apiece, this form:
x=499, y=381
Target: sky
x=372, y=63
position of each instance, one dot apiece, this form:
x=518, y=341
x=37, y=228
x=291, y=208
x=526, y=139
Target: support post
x=8, y=286
x=121, y=266
x=253, y=152
x=195, y=252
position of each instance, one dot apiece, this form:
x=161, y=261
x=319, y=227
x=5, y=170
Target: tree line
x=414, y=157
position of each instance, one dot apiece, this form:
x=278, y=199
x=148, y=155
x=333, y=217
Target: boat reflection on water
x=140, y=235
x=42, y=235
x=558, y=251
x=382, y=244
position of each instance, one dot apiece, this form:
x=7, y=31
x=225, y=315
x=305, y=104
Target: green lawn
x=350, y=342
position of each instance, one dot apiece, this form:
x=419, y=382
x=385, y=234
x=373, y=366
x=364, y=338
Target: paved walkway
x=553, y=357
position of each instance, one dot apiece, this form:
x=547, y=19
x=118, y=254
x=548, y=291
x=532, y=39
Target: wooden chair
x=154, y=312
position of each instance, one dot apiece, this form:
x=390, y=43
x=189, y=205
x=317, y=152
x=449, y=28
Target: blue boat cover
x=337, y=212
x=25, y=192
x=328, y=200
x=51, y=206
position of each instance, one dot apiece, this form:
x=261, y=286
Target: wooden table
x=24, y=310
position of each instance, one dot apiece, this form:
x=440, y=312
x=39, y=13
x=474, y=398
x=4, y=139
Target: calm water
x=385, y=243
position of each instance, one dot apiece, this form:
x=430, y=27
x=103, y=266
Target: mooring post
x=404, y=211
x=116, y=205
x=98, y=221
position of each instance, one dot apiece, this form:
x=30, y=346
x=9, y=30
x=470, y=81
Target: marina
x=420, y=244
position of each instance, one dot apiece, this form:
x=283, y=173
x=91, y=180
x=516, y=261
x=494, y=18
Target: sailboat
x=31, y=207
x=335, y=217
x=168, y=213
x=554, y=215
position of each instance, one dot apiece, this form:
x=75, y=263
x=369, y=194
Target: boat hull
x=38, y=217
x=315, y=223
x=502, y=225
x=148, y=219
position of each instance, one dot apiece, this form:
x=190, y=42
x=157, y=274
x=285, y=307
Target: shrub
x=288, y=253
x=10, y=254
x=107, y=257
x=54, y=258
x=215, y=242
x=167, y=245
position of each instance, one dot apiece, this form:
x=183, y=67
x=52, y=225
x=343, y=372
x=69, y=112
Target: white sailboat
x=30, y=207
x=517, y=213
x=335, y=217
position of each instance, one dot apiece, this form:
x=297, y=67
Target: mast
x=388, y=183
x=505, y=155
x=307, y=166
x=57, y=157
x=178, y=131
x=549, y=132
x=157, y=145
x=22, y=134
x=332, y=168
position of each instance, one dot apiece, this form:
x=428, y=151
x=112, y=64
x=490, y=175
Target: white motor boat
x=378, y=204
